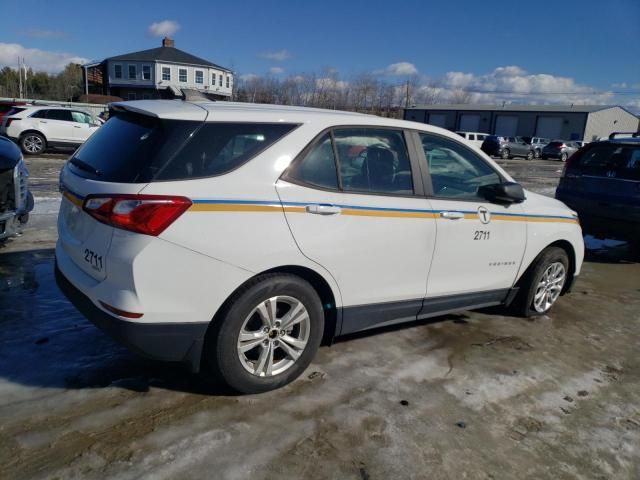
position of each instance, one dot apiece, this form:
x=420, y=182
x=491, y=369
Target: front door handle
x=452, y=215
x=323, y=209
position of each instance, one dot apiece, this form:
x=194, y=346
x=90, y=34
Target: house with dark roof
x=568, y=122
x=161, y=72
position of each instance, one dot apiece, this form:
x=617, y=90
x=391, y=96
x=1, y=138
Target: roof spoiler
x=624, y=134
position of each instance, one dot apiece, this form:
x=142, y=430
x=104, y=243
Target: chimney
x=168, y=42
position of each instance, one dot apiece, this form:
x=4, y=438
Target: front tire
x=563, y=157
x=530, y=155
x=542, y=284
x=505, y=154
x=537, y=154
x=268, y=334
x=32, y=143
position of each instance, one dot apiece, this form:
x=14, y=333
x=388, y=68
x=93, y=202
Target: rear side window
x=64, y=115
x=609, y=160
x=371, y=160
x=40, y=114
x=318, y=168
x=138, y=149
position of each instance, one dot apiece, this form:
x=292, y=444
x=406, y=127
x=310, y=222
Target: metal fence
x=95, y=109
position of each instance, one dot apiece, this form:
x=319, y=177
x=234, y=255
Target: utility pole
x=406, y=100
x=20, y=77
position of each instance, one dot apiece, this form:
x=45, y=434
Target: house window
x=166, y=73
x=228, y=81
x=182, y=74
x=132, y=72
x=131, y=96
x=213, y=79
x=199, y=76
x=220, y=79
x=146, y=72
x=117, y=70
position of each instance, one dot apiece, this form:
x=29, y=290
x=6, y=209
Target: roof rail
x=625, y=134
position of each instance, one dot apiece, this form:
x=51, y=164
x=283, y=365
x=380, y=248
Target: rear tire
x=32, y=143
x=563, y=157
x=505, y=154
x=530, y=155
x=537, y=154
x=252, y=348
x=542, y=283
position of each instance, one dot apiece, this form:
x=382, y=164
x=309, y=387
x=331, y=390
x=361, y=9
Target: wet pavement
x=475, y=395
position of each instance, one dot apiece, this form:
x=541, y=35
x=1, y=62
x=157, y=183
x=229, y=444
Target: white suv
x=474, y=138
x=37, y=128
x=238, y=236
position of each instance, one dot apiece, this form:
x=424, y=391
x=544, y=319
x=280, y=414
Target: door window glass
x=373, y=160
x=81, y=117
x=60, y=115
x=318, y=167
x=456, y=172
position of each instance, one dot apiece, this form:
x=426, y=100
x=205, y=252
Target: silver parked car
x=560, y=149
x=537, y=144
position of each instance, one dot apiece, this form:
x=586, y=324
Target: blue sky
x=587, y=46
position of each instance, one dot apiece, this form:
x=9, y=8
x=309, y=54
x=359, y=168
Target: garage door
x=415, y=115
x=506, y=125
x=469, y=123
x=549, y=127
x=438, y=119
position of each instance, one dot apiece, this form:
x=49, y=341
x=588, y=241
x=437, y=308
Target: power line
x=506, y=92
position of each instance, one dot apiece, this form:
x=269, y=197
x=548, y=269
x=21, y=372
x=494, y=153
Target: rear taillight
x=147, y=214
x=9, y=120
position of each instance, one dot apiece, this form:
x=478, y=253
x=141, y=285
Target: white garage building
x=568, y=122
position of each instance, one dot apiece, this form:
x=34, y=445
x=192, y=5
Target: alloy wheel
x=273, y=336
x=549, y=287
x=33, y=144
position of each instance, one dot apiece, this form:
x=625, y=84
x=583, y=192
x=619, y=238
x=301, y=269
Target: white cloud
x=276, y=70
x=279, y=56
x=165, y=28
x=247, y=77
x=43, y=33
x=39, y=60
x=401, y=68
x=512, y=83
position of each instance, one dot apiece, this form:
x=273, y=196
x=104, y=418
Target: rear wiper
x=85, y=166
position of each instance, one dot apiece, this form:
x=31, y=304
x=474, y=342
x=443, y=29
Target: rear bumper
x=170, y=342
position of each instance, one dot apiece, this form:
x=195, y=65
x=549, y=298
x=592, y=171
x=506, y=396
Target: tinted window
x=135, y=148
x=481, y=137
x=373, y=160
x=40, y=114
x=609, y=160
x=456, y=172
x=81, y=117
x=59, y=115
x=318, y=167
x=472, y=137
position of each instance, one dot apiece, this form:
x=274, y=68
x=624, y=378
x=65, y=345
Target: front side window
x=38, y=114
x=199, y=76
x=318, y=167
x=146, y=72
x=456, y=172
x=117, y=70
x=132, y=72
x=182, y=75
x=81, y=117
x=373, y=160
x=166, y=73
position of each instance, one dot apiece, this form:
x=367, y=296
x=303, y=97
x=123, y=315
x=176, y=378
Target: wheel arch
x=571, y=254
x=33, y=130
x=316, y=280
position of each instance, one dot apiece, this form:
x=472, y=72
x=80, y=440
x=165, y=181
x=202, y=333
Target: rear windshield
x=609, y=160
x=138, y=149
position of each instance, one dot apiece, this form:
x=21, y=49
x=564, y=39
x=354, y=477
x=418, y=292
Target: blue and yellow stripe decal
x=208, y=205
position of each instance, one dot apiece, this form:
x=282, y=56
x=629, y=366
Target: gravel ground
x=475, y=395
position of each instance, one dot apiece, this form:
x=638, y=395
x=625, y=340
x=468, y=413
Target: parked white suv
x=241, y=235
x=37, y=128
x=474, y=138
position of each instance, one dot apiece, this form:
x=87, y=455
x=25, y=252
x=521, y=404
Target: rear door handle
x=77, y=126
x=323, y=209
x=452, y=215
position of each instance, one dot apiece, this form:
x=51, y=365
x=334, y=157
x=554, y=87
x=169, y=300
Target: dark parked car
x=6, y=107
x=16, y=200
x=507, y=147
x=560, y=149
x=602, y=183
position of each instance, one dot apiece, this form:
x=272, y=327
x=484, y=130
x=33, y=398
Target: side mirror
x=503, y=193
